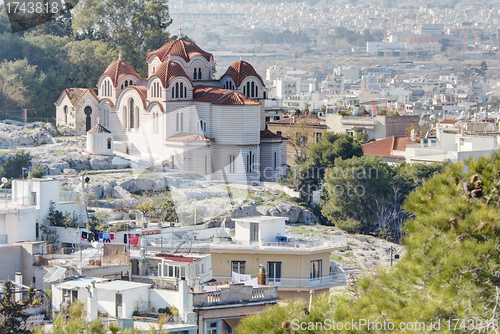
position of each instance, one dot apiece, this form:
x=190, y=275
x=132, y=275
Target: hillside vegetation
x=451, y=269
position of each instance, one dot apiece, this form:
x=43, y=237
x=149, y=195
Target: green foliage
x=145, y=208
x=57, y=218
x=365, y=194
x=332, y=146
x=451, y=269
x=37, y=170
x=12, y=311
x=132, y=27
x=13, y=167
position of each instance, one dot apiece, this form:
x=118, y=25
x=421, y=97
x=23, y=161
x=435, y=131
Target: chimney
x=17, y=287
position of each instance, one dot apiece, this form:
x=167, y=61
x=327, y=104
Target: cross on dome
x=120, y=56
x=241, y=57
x=180, y=33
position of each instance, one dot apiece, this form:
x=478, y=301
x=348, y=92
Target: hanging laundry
x=105, y=237
x=112, y=236
x=134, y=239
x=100, y=236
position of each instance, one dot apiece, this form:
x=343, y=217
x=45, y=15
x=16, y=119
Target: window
x=274, y=272
x=109, y=143
x=126, y=83
x=106, y=116
x=232, y=163
x=182, y=122
x=124, y=117
x=195, y=74
x=278, y=133
x=177, y=122
x=131, y=114
x=238, y=267
x=66, y=114
x=250, y=162
x=318, y=136
x=316, y=269
x=211, y=328
x=176, y=90
x=206, y=164
x=137, y=117
x=37, y=230
x=201, y=126
x=254, y=232
x=155, y=122
x=199, y=73
x=275, y=160
x=130, y=83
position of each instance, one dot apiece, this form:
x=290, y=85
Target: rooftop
x=261, y=219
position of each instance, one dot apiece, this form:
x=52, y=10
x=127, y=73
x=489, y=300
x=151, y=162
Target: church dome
x=118, y=69
x=239, y=70
x=169, y=70
x=181, y=48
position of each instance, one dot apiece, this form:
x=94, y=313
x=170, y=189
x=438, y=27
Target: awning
x=233, y=322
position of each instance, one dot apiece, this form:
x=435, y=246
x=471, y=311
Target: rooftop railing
x=294, y=282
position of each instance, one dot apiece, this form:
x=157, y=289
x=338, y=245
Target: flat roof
x=80, y=282
x=121, y=285
x=261, y=219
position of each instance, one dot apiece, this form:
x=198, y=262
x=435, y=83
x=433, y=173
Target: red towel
x=112, y=236
x=134, y=239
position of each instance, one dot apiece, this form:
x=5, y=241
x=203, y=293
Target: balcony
x=235, y=293
x=291, y=245
x=302, y=283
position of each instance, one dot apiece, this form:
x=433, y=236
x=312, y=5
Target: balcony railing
x=235, y=293
x=289, y=245
x=289, y=282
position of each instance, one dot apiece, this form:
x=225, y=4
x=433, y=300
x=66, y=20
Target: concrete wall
x=10, y=261
x=294, y=265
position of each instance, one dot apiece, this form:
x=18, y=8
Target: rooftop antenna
x=180, y=33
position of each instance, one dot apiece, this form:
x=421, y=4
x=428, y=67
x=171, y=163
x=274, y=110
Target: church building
x=180, y=117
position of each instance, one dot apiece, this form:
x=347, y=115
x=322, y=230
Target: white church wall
x=236, y=125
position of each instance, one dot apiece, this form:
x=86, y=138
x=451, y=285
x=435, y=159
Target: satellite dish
x=4, y=180
x=432, y=117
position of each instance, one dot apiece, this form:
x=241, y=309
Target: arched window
x=106, y=117
x=199, y=73
x=66, y=114
x=124, y=117
x=195, y=74
x=131, y=114
x=182, y=122
x=122, y=86
x=173, y=92
x=232, y=163
x=275, y=160
x=176, y=90
x=206, y=164
x=264, y=93
x=155, y=122
x=252, y=89
x=245, y=90
x=182, y=90
x=250, y=162
x=130, y=83
x=177, y=122
x=126, y=83
x=109, y=143
x=137, y=116
x=248, y=89
x=185, y=92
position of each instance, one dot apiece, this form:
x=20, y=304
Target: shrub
x=350, y=226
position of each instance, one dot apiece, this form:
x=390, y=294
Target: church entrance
x=88, y=120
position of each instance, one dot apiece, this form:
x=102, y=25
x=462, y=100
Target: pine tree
x=12, y=312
